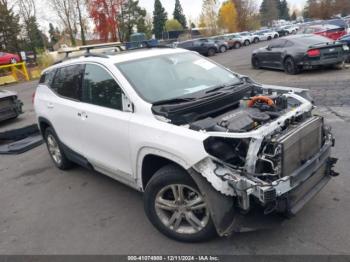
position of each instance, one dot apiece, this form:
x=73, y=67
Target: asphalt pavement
x=47, y=211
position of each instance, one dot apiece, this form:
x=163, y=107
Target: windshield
x=173, y=76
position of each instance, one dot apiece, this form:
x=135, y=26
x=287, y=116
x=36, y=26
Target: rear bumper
x=308, y=63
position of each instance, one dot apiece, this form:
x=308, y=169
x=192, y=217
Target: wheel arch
x=151, y=160
x=44, y=123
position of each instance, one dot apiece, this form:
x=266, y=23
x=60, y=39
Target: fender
x=143, y=152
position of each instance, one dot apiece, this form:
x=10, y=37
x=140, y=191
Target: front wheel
x=290, y=67
x=246, y=43
x=256, y=40
x=256, y=63
x=211, y=52
x=13, y=61
x=176, y=207
x=237, y=45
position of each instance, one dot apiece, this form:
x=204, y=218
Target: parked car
x=236, y=38
x=205, y=145
x=267, y=34
x=281, y=31
x=333, y=32
x=10, y=105
x=297, y=52
x=231, y=42
x=8, y=58
x=249, y=38
x=222, y=46
x=204, y=47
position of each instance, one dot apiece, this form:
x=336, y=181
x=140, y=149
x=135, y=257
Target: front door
x=105, y=124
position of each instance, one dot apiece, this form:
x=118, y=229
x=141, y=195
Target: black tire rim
x=256, y=63
x=290, y=66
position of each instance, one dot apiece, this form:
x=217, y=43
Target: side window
x=278, y=44
x=100, y=88
x=47, y=77
x=68, y=80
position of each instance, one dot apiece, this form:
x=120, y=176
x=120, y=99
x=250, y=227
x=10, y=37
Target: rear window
x=68, y=81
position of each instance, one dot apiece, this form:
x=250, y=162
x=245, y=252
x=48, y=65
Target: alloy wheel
x=54, y=149
x=182, y=209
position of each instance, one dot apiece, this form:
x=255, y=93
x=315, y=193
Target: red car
x=331, y=31
x=7, y=58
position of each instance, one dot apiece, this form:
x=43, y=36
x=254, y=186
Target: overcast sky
x=192, y=8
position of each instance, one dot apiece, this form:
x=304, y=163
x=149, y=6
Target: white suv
x=204, y=144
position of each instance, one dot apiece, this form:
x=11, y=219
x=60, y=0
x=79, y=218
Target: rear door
x=63, y=108
x=105, y=126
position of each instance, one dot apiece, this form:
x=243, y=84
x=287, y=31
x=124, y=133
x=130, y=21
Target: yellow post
x=24, y=68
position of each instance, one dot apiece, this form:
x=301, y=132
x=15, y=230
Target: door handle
x=82, y=115
x=50, y=106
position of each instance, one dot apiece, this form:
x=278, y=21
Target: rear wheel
x=256, y=62
x=176, y=207
x=223, y=49
x=275, y=36
x=290, y=67
x=269, y=38
x=237, y=45
x=211, y=52
x=246, y=42
x=256, y=40
x=55, y=149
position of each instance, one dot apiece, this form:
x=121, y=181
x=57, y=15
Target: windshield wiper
x=174, y=101
x=219, y=87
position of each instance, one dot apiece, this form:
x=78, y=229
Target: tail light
x=313, y=53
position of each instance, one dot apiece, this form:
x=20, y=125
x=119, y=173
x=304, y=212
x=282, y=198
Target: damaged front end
x=279, y=166
x=10, y=105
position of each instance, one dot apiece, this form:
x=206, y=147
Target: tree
x=247, y=14
x=193, y=25
x=283, y=9
x=65, y=10
x=159, y=19
x=173, y=25
x=9, y=28
x=179, y=15
x=228, y=17
x=144, y=25
x=104, y=13
x=54, y=35
x=131, y=15
x=294, y=16
x=82, y=23
x=33, y=36
x=268, y=12
x=209, y=17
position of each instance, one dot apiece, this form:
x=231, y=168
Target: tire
x=256, y=63
x=223, y=49
x=237, y=45
x=339, y=66
x=275, y=36
x=160, y=190
x=13, y=61
x=256, y=40
x=269, y=38
x=55, y=150
x=211, y=52
x=246, y=42
x=290, y=67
